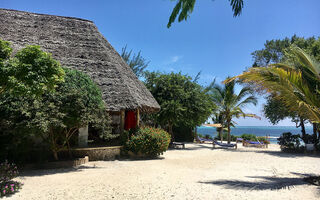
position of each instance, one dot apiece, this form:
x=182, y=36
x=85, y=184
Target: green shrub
x=207, y=136
x=263, y=139
x=225, y=137
x=126, y=135
x=148, y=141
x=250, y=137
x=7, y=173
x=309, y=139
x=289, y=142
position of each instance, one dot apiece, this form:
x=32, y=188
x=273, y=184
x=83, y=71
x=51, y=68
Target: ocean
x=272, y=131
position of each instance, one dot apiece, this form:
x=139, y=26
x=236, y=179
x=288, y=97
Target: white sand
x=194, y=173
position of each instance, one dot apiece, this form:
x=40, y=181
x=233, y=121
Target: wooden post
x=138, y=117
x=122, y=118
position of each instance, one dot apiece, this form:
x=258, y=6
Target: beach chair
x=224, y=145
x=239, y=140
x=258, y=144
x=203, y=140
x=177, y=144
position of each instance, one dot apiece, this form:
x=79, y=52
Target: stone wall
x=98, y=153
x=58, y=164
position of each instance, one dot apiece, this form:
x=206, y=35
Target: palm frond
x=290, y=87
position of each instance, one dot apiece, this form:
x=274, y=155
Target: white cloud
x=175, y=59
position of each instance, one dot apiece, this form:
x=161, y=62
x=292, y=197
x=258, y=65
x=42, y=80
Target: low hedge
x=225, y=137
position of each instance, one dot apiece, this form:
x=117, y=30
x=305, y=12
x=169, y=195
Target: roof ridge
x=76, y=18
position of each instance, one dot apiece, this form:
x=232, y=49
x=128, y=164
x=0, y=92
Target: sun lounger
x=247, y=143
x=239, y=140
x=177, y=144
x=203, y=140
x=224, y=145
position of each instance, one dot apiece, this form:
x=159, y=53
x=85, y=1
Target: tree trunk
x=229, y=130
x=52, y=141
x=55, y=155
x=314, y=130
x=221, y=133
x=69, y=149
x=170, y=131
x=303, y=129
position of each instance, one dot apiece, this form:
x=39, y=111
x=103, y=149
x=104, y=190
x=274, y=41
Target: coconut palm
x=230, y=104
x=295, y=82
x=184, y=8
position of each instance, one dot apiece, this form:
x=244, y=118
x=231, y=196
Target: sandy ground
x=198, y=172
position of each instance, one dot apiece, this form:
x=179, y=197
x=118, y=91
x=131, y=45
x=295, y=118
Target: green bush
x=263, y=139
x=225, y=137
x=7, y=173
x=250, y=137
x=290, y=142
x=148, y=141
x=310, y=139
x=206, y=136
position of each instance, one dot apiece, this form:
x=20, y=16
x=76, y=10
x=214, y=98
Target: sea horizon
x=259, y=126
x=273, y=132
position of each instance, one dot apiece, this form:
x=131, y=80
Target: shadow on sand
x=198, y=146
x=280, y=153
x=262, y=182
x=43, y=172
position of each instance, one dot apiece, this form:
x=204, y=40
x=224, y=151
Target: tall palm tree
x=230, y=104
x=295, y=82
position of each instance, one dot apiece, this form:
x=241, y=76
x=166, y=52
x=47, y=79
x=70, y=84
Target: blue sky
x=211, y=41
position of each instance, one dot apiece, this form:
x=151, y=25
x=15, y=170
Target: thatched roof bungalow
x=78, y=44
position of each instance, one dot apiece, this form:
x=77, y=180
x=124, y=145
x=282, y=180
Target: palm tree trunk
x=315, y=128
x=221, y=134
x=229, y=130
x=303, y=129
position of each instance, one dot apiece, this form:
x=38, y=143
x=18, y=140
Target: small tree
x=275, y=110
x=276, y=51
x=30, y=72
x=136, y=62
x=183, y=102
x=76, y=103
x=57, y=116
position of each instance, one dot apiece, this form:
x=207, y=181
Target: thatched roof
x=78, y=44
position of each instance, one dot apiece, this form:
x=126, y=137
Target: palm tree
x=296, y=83
x=230, y=104
x=184, y=8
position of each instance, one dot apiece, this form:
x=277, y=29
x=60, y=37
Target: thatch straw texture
x=78, y=44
